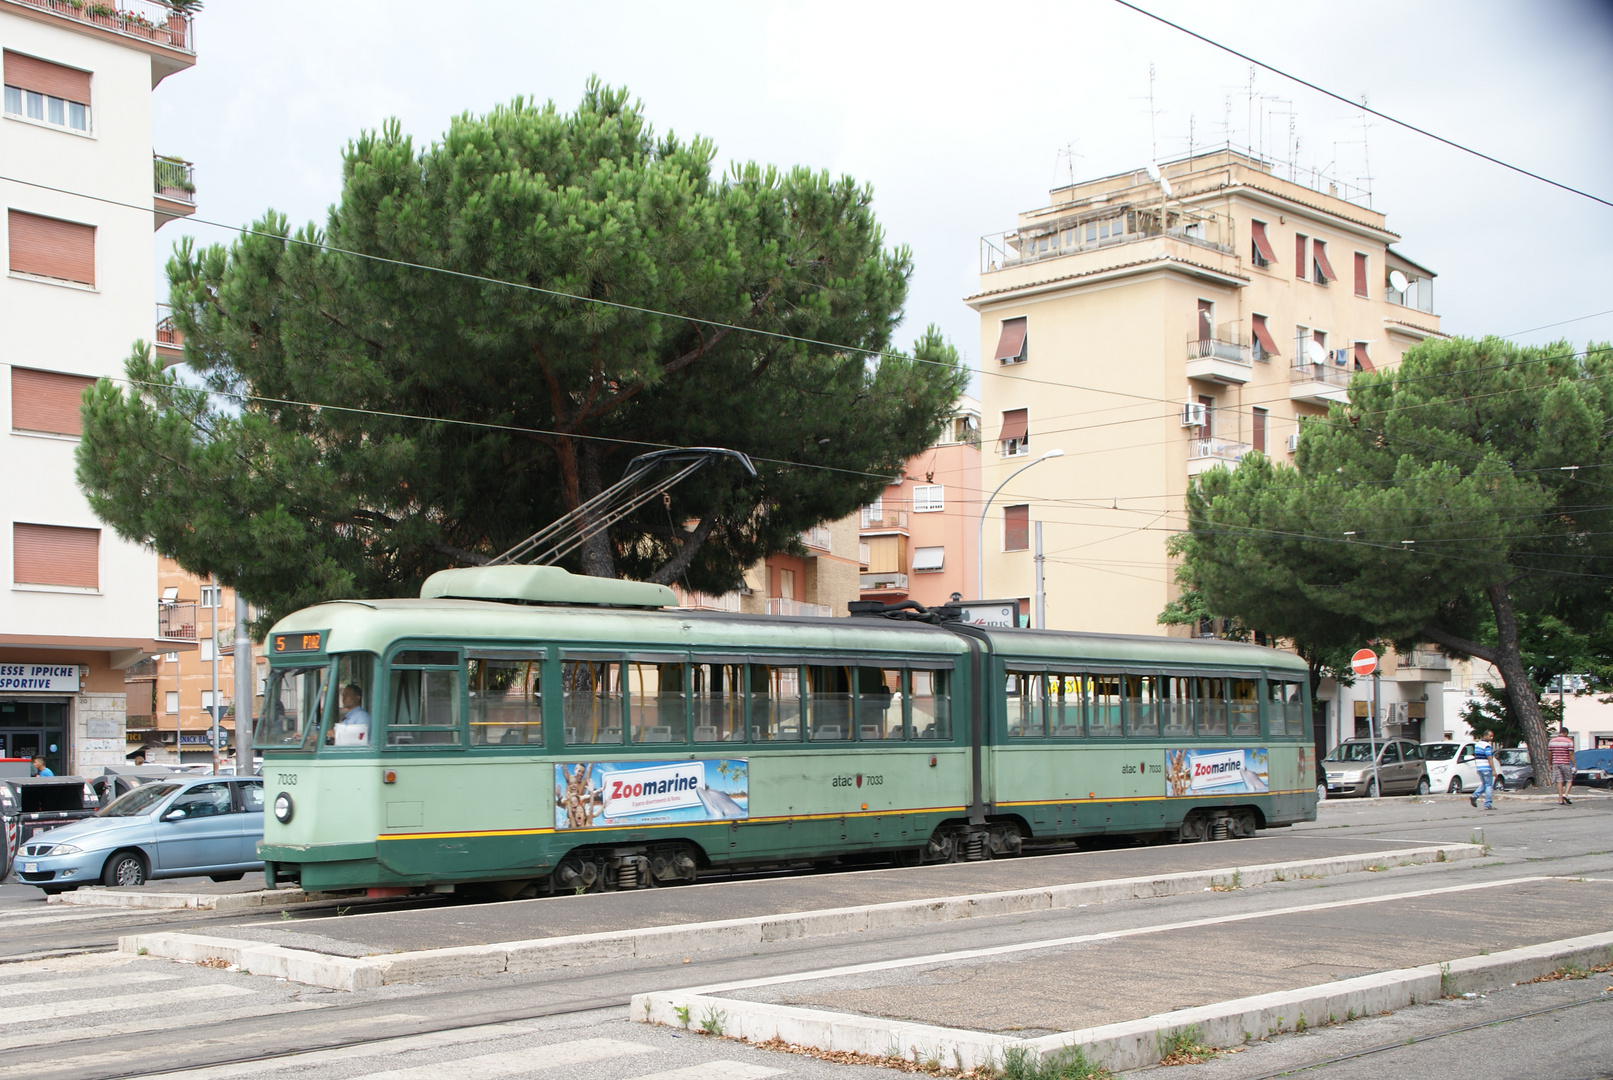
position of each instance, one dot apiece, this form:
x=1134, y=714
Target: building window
x=786, y=584
x=47, y=401
x=206, y=650
x=1208, y=430
x=1014, y=438
x=1265, y=346
x=211, y=595
x=1206, y=320
x=171, y=657
x=52, y=248
x=1299, y=256
x=929, y=498
x=1016, y=527
x=170, y=703
x=207, y=700
x=55, y=555
x=1361, y=288
x=928, y=560
x=1012, y=341
x=1261, y=423
x=51, y=93
x=1260, y=252
x=1322, y=269
x=1363, y=362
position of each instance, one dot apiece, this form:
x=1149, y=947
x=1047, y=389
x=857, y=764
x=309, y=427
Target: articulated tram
x=538, y=732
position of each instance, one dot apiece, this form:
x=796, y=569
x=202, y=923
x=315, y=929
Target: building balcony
x=1318, y=384
x=882, y=518
x=1206, y=454
x=694, y=601
x=1095, y=228
x=170, y=339
x=174, y=184
x=149, y=25
x=816, y=538
x=779, y=605
x=1423, y=665
x=882, y=583
x=176, y=622
x=1218, y=360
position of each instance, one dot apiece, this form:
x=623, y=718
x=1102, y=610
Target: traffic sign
x=1364, y=662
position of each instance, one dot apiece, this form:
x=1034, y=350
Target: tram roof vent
x=543, y=585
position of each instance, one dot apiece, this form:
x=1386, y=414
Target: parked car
x=121, y=779
x=1594, y=767
x=168, y=828
x=1451, y=766
x=1513, y=770
x=1400, y=769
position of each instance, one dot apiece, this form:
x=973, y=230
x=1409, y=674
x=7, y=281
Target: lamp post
x=980, y=541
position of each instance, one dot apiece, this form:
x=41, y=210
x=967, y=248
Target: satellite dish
x=1159, y=178
x=1398, y=281
x=1153, y=172
x=1314, y=352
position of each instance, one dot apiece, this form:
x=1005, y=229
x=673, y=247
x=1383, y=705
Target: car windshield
x=1439, y=751
x=1520, y=756
x=291, y=704
x=1351, y=751
x=137, y=802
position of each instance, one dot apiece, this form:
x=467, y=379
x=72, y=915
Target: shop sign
x=40, y=678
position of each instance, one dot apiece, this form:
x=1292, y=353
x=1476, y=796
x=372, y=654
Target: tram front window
x=291, y=707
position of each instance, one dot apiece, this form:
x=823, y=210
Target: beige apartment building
x=822, y=582
x=1155, y=324
x=84, y=189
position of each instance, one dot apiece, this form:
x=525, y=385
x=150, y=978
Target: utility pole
x=1372, y=732
x=212, y=581
x=243, y=688
x=1041, y=590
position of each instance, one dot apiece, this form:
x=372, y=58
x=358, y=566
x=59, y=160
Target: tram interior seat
x=658, y=734
x=827, y=732
x=705, y=733
x=1066, y=731
x=511, y=736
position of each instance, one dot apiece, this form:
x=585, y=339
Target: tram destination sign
x=299, y=642
x=40, y=678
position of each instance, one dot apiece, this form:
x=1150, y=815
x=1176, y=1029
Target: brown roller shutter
x=1015, y=424
x=44, y=77
x=1360, y=274
x=1363, y=362
x=1011, y=341
x=1263, y=334
x=55, y=555
x=46, y=401
x=1320, y=250
x=51, y=247
x=1300, y=265
x=1016, y=527
x=1262, y=242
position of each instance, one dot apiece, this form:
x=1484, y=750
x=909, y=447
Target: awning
x=1362, y=360
x=1015, y=424
x=1262, y=242
x=1319, y=250
x=929, y=558
x=1011, y=344
x=1263, y=335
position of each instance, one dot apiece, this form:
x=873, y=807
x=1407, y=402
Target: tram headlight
x=283, y=808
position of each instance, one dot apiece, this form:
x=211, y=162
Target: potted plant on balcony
x=180, y=13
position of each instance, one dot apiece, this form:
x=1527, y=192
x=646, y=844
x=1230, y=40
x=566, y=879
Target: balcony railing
x=1332, y=374
x=1419, y=295
x=176, y=622
x=816, y=537
x=884, y=581
x=1096, y=229
x=883, y=518
x=778, y=605
x=1218, y=349
x=173, y=178
x=143, y=19
x=728, y=601
x=1218, y=449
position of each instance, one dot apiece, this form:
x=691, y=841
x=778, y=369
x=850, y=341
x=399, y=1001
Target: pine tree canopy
x=350, y=424
x=1463, y=499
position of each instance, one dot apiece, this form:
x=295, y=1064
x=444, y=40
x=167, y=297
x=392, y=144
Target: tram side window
x=506, y=702
x=424, y=701
x=932, y=705
x=1104, y=722
x=1245, y=706
x=1211, y=706
x=879, y=703
x=1065, y=697
x=1027, y=718
x=657, y=707
x=291, y=707
x=1176, y=706
x=1142, y=705
x=719, y=703
x=775, y=703
x=1285, y=708
x=828, y=703
x=355, y=678
x=591, y=696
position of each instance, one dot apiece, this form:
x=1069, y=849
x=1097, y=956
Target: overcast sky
x=961, y=115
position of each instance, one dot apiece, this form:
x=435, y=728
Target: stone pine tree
x=484, y=333
x=1457, y=500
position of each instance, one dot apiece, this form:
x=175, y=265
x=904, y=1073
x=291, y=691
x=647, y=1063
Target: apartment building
x=82, y=191
x=1155, y=324
x=918, y=537
x=822, y=581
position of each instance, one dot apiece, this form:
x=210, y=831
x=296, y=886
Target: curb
x=544, y=954
x=1132, y=1044
x=154, y=901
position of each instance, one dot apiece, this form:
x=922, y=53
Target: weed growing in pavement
x=285, y=916
x=713, y=1020
x=1182, y=1047
x=141, y=951
x=1439, y=856
x=682, y=1013
x=1069, y=1063
x=1349, y=1015
x=1300, y=1024
x=1483, y=951
x=1232, y=885
x=340, y=911
x=1376, y=868
x=1446, y=982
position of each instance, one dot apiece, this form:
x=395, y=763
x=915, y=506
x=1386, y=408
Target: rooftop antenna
x=1067, y=155
x=1153, y=136
x=1366, y=155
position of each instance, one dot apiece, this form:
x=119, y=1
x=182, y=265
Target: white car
x=1451, y=766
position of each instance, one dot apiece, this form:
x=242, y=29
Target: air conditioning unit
x=1293, y=442
x=1195, y=414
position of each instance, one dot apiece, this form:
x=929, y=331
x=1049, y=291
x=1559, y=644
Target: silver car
x=1400, y=769
x=167, y=828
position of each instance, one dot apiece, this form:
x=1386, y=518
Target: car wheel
x=124, y=869
x=1456, y=785
x=227, y=877
x=1372, y=788
x=1423, y=787
x=1529, y=783
x=1321, y=793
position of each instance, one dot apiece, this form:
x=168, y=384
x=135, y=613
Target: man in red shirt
x=1561, y=747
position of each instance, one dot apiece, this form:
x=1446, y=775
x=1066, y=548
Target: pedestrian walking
x=1484, y=759
x=1562, y=764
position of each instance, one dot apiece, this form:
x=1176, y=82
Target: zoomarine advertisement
x=1217, y=772
x=605, y=794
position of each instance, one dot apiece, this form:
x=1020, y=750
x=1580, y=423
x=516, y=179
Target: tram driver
x=353, y=728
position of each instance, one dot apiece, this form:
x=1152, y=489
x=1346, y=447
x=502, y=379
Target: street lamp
x=980, y=541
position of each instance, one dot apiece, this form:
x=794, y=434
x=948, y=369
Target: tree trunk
x=670, y=570
x=597, y=557
x=1520, y=691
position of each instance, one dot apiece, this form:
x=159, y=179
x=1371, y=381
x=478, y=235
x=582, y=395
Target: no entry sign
x=1364, y=662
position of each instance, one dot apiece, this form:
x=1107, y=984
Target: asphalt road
x=96, y=1014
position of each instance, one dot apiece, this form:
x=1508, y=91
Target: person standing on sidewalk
x=1562, y=764
x=1484, y=755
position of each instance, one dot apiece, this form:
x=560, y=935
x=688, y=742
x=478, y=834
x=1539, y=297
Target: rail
x=1219, y=449
x=1236, y=352
x=143, y=19
x=173, y=178
x=883, y=519
x=1331, y=374
x=176, y=622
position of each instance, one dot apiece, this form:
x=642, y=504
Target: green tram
x=526, y=729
